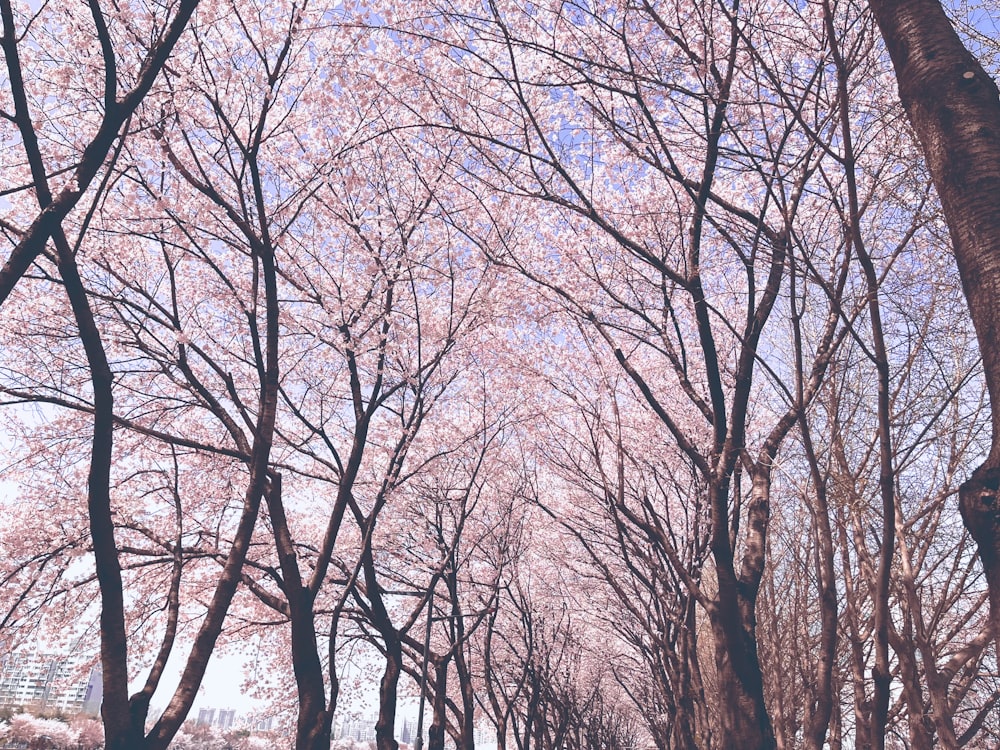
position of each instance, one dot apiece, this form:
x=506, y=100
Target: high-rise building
x=219, y=718
x=226, y=718
x=50, y=682
x=357, y=728
x=262, y=723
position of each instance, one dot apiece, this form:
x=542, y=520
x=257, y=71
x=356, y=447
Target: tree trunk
x=467, y=720
x=385, y=726
x=743, y=716
x=954, y=107
x=122, y=727
x=315, y=723
x=693, y=727
x=818, y=719
x=385, y=738
x=436, y=733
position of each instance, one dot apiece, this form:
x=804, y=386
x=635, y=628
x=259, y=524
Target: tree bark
x=120, y=728
x=385, y=738
x=315, y=722
x=436, y=733
x=743, y=715
x=954, y=107
x=744, y=720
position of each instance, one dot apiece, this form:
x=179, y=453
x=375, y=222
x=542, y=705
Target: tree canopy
x=612, y=374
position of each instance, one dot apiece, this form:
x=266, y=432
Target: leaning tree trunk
x=954, y=107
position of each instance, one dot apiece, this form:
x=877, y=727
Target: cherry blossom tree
x=123, y=56
x=36, y=732
x=590, y=119
x=610, y=348
x=954, y=106
x=88, y=287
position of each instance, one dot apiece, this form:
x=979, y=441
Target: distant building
x=50, y=682
x=262, y=724
x=94, y=695
x=219, y=718
x=362, y=728
x=359, y=729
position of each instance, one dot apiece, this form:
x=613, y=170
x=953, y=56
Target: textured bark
x=384, y=728
x=392, y=652
x=743, y=715
x=954, y=107
x=121, y=730
x=436, y=733
x=314, y=723
x=818, y=719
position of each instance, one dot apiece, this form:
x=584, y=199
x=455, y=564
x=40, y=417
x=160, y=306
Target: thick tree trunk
x=466, y=739
x=954, y=107
x=315, y=723
x=743, y=715
x=120, y=724
x=124, y=720
x=436, y=733
x=385, y=738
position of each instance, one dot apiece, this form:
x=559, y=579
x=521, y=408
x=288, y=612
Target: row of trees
x=25, y=730
x=85, y=733
x=600, y=370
